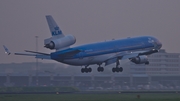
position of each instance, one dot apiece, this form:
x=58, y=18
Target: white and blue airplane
x=135, y=49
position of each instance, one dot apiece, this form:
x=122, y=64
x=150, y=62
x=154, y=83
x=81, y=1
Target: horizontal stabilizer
x=36, y=55
x=36, y=52
x=25, y=54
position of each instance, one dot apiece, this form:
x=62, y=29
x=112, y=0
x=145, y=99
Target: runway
x=91, y=92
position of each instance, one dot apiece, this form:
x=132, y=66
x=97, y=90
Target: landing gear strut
x=117, y=69
x=86, y=70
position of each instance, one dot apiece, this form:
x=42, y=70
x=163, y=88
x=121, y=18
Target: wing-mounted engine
x=143, y=59
x=59, y=42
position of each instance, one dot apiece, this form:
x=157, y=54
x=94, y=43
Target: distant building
x=160, y=63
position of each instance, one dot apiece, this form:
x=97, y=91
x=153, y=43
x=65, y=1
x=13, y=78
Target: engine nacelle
x=140, y=59
x=58, y=43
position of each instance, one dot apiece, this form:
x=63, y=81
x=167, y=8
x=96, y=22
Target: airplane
x=135, y=49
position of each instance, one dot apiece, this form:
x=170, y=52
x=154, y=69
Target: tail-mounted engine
x=140, y=59
x=59, y=43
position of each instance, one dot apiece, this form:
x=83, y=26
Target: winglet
x=6, y=50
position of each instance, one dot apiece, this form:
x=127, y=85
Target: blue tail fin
x=54, y=28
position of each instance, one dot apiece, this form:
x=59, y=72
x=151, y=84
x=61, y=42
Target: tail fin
x=54, y=28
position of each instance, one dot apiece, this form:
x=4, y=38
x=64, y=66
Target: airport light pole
x=37, y=81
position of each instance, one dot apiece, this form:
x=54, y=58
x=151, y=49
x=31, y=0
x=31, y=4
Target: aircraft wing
x=36, y=52
x=138, y=53
x=128, y=55
x=39, y=55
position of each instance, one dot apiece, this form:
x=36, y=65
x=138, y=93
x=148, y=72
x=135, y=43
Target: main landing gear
x=86, y=70
x=117, y=68
x=100, y=69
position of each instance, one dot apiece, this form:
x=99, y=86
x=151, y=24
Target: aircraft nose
x=159, y=44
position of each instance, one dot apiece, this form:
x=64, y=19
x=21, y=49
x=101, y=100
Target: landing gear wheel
x=89, y=69
x=100, y=69
x=113, y=70
x=117, y=69
x=82, y=70
x=86, y=70
x=147, y=63
x=120, y=69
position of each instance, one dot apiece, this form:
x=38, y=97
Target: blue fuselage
x=108, y=47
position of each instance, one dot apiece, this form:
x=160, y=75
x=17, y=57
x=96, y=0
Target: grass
x=37, y=89
x=92, y=97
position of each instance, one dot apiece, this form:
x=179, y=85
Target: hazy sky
x=88, y=20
